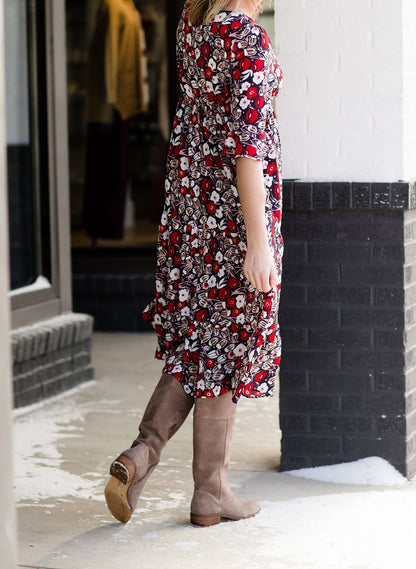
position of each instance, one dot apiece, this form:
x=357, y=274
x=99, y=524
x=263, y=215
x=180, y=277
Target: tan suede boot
x=166, y=411
x=213, y=498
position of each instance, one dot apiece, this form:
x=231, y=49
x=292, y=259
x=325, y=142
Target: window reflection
x=119, y=124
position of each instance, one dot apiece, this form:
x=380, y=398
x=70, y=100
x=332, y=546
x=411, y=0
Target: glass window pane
x=26, y=143
x=116, y=161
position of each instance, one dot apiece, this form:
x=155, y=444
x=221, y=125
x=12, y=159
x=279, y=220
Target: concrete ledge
x=51, y=356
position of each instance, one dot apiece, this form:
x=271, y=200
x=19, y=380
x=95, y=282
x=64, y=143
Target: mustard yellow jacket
x=117, y=67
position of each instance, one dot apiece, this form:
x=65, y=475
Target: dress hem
x=238, y=392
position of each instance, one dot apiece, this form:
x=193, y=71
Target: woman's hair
x=205, y=10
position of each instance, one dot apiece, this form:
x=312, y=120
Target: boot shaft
x=213, y=499
x=165, y=412
x=213, y=426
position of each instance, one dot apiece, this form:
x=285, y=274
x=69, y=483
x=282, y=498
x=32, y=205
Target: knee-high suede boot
x=166, y=411
x=213, y=499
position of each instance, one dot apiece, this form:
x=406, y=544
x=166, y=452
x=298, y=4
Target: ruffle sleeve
x=250, y=96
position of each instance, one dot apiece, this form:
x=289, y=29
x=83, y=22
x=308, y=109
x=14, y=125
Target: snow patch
x=41, y=283
x=40, y=472
x=372, y=470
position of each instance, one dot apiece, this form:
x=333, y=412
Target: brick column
x=348, y=323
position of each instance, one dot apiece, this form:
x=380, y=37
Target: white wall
x=409, y=89
x=341, y=112
x=7, y=517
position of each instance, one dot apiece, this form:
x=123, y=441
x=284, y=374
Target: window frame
x=30, y=306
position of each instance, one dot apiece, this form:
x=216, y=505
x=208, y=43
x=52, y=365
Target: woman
x=219, y=256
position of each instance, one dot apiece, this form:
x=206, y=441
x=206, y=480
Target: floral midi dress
x=215, y=331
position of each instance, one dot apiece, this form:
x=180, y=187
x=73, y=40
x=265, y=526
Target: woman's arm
x=259, y=267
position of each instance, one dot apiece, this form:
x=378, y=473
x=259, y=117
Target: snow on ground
x=351, y=530
x=38, y=461
x=307, y=521
x=371, y=470
x=38, y=471
x=371, y=530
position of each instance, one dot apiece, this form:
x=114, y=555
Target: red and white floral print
x=215, y=331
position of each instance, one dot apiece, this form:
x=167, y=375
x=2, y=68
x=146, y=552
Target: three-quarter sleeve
x=250, y=97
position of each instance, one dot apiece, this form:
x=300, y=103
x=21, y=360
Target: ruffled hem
x=241, y=380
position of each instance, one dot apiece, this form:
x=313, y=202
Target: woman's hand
x=259, y=267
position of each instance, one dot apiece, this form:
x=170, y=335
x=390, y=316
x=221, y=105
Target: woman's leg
x=166, y=411
x=213, y=499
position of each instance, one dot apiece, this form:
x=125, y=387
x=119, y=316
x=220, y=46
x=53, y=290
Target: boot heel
x=122, y=471
x=205, y=520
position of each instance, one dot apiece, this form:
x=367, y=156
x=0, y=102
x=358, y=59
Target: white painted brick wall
x=409, y=89
x=346, y=108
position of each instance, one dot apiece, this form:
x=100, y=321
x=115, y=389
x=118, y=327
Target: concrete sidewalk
x=64, y=448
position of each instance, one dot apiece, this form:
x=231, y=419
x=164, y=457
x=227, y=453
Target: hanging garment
x=117, y=66
x=117, y=90
x=214, y=329
x=107, y=174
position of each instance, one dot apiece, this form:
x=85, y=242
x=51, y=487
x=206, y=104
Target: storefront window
x=27, y=145
x=117, y=146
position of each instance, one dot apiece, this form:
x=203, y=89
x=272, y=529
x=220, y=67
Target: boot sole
x=205, y=520
x=122, y=471
x=213, y=520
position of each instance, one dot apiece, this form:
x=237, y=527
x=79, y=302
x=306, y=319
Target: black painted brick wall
x=342, y=319
x=114, y=300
